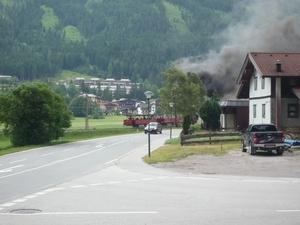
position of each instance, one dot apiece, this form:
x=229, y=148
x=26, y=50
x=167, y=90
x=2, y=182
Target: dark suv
x=155, y=128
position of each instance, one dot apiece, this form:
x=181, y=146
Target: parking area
x=240, y=163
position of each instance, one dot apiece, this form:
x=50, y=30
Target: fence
x=209, y=137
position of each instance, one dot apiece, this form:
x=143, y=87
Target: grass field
x=111, y=125
x=174, y=15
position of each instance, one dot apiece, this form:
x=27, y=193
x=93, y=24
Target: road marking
x=77, y=213
x=69, y=149
x=51, y=153
x=98, y=184
x=10, y=169
x=271, y=181
x=114, y=182
x=21, y=160
x=78, y=186
x=30, y=196
x=286, y=211
x=112, y=161
x=50, y=164
x=8, y=204
x=20, y=200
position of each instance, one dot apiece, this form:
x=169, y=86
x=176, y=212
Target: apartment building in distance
x=109, y=83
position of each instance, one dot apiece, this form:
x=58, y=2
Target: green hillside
x=103, y=38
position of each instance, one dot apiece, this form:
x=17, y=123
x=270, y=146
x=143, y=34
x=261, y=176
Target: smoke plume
x=271, y=27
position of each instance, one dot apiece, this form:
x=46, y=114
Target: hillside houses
x=110, y=84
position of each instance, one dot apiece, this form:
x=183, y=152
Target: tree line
x=120, y=39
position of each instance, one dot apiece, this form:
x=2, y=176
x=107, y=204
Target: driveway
x=239, y=163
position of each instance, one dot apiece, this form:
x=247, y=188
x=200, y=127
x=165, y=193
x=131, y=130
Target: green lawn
x=111, y=125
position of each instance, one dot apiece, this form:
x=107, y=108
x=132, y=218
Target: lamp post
x=148, y=96
x=171, y=104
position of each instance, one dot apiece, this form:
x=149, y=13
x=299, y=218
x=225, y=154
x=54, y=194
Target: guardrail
x=209, y=137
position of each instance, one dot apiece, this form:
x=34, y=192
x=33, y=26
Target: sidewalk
x=133, y=160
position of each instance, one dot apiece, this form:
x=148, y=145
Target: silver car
x=154, y=127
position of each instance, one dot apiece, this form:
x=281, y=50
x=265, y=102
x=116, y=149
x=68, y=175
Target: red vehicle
x=137, y=120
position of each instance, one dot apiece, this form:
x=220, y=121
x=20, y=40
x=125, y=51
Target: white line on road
x=10, y=169
x=75, y=213
x=50, y=164
x=271, y=181
x=21, y=160
x=287, y=211
x=20, y=200
x=69, y=149
x=112, y=161
x=51, y=153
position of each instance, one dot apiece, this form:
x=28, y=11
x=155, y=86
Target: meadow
x=109, y=126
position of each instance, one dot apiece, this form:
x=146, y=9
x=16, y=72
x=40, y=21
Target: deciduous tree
x=33, y=114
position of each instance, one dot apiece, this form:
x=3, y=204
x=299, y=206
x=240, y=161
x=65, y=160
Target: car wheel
x=243, y=147
x=252, y=150
x=279, y=151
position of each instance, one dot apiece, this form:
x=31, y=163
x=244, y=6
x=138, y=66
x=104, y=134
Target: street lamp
x=148, y=96
x=171, y=104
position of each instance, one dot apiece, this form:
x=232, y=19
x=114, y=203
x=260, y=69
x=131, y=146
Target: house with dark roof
x=271, y=82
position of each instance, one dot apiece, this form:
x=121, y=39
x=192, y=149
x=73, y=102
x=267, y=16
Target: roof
x=268, y=65
x=234, y=103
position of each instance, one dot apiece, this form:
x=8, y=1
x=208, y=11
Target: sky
x=273, y=26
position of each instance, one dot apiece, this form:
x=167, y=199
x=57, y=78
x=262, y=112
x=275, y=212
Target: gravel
x=239, y=163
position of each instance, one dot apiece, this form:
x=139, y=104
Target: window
x=255, y=83
x=262, y=83
x=292, y=110
x=263, y=111
x=254, y=111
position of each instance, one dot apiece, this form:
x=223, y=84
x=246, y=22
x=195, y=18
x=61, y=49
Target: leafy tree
x=186, y=91
x=33, y=114
x=81, y=104
x=210, y=112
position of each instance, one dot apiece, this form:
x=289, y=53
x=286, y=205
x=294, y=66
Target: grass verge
x=173, y=151
x=110, y=126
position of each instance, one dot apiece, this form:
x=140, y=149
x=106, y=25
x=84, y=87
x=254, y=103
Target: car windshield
x=152, y=124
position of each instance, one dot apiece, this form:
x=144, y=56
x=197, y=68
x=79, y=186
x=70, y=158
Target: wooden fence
x=209, y=137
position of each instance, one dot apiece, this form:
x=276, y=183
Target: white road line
x=112, y=161
x=20, y=200
x=50, y=164
x=30, y=196
x=83, y=146
x=98, y=184
x=78, y=186
x=270, y=181
x=76, y=213
x=10, y=169
x=115, y=182
x=148, y=179
x=69, y=149
x=51, y=153
x=8, y=204
x=287, y=211
x=21, y=160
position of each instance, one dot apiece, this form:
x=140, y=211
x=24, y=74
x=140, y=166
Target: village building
x=271, y=83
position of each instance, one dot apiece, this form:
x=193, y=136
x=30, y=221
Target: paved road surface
x=128, y=191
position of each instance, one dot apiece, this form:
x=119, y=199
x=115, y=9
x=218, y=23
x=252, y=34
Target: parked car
x=263, y=137
x=155, y=127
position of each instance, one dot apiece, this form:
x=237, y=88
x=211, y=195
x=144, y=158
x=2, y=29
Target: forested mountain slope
x=135, y=39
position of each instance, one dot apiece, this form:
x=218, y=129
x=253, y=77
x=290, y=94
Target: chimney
x=278, y=66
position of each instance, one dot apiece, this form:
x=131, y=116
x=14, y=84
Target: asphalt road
x=122, y=189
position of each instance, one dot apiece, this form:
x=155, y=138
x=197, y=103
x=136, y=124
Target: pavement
x=133, y=161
